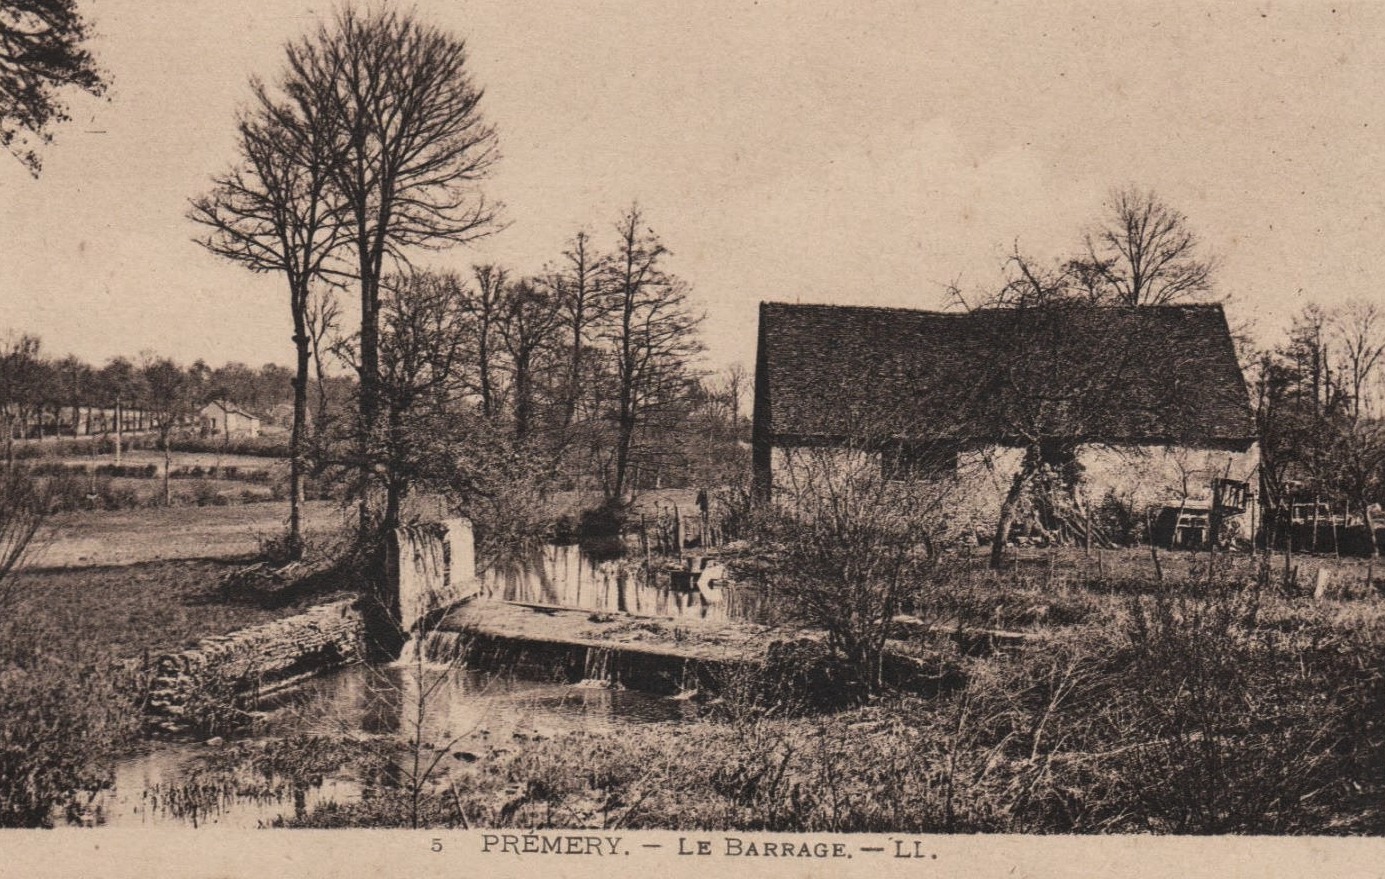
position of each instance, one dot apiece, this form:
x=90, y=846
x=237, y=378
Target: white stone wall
x=436, y=568
x=1139, y=476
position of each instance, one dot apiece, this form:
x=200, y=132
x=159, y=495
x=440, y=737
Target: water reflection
x=464, y=710
x=568, y=576
x=465, y=703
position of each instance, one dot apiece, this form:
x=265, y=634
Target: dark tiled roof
x=1165, y=373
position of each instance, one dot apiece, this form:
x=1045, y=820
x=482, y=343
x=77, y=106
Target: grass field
x=149, y=579
x=134, y=536
x=148, y=607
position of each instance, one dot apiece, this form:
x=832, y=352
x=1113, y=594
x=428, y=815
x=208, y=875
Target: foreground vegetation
x=72, y=646
x=1199, y=706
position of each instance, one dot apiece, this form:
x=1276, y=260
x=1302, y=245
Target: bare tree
x=415, y=148
x=1144, y=253
x=580, y=285
x=321, y=320
x=652, y=334
x=1061, y=365
x=528, y=324
x=1357, y=454
x=486, y=306
x=276, y=212
x=41, y=54
x=1358, y=328
x=737, y=383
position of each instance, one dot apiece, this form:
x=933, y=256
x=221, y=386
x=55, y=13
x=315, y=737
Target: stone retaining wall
x=254, y=660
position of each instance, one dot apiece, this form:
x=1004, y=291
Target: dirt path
x=132, y=536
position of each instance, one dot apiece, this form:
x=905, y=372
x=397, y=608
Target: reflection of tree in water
x=382, y=704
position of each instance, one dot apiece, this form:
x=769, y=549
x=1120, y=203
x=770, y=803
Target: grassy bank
x=103, y=588
x=127, y=610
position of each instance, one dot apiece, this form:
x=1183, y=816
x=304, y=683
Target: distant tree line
x=43, y=396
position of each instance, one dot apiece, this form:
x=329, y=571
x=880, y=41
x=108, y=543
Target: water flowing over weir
x=599, y=670
x=568, y=576
x=615, y=643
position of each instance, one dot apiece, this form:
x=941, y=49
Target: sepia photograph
x=691, y=435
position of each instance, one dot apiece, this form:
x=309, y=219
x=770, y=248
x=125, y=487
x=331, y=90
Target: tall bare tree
x=1358, y=328
x=276, y=211
x=486, y=307
x=1060, y=364
x=528, y=325
x=1143, y=253
x=580, y=285
x=41, y=54
x=652, y=334
x=415, y=148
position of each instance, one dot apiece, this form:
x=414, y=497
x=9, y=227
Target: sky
x=788, y=151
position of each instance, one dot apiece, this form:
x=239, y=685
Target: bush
x=206, y=494
x=850, y=550
x=64, y=711
x=112, y=496
x=261, y=446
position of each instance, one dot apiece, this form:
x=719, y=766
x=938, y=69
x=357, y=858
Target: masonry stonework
x=255, y=660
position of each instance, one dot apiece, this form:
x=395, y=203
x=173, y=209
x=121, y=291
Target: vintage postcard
x=912, y=438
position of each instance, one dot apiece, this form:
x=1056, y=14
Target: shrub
x=205, y=494
x=64, y=711
x=111, y=496
x=261, y=446
x=850, y=549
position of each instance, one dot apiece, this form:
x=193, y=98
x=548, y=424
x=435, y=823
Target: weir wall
x=253, y=661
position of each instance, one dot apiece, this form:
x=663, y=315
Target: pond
x=469, y=711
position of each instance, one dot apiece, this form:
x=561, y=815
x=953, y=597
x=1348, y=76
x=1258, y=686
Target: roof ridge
x=1172, y=306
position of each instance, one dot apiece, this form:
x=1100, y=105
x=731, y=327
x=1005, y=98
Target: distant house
x=223, y=419
x=1166, y=430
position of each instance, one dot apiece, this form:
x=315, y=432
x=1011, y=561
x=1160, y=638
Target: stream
x=471, y=709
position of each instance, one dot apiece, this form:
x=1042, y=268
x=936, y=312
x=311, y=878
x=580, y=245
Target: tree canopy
x=42, y=54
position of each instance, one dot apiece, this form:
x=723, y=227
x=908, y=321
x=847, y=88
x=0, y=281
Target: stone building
x=222, y=419
x=1144, y=411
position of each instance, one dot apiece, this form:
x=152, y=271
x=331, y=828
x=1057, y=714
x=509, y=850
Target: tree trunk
x=1007, y=509
x=296, y=438
x=168, y=464
x=523, y=404
x=395, y=487
x=1370, y=528
x=370, y=358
